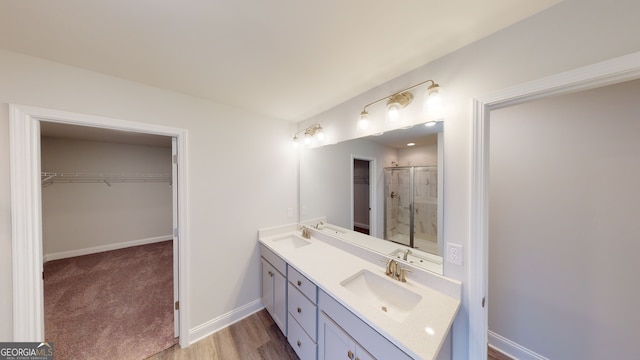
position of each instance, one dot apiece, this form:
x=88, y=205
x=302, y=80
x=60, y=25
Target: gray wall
x=79, y=216
x=564, y=209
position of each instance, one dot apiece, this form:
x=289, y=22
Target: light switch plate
x=454, y=253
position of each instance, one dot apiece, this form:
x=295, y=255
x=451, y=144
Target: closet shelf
x=49, y=178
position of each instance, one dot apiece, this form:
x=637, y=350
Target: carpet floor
x=111, y=305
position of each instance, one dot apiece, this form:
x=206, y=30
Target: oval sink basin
x=290, y=242
x=383, y=293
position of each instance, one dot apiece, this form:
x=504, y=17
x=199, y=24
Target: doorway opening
x=361, y=196
x=27, y=243
x=601, y=74
x=108, y=247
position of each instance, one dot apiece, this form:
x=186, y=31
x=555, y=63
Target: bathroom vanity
x=333, y=299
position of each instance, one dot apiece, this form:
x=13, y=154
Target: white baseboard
x=512, y=349
x=97, y=249
x=224, y=320
x=361, y=225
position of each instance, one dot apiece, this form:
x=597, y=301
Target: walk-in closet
x=108, y=252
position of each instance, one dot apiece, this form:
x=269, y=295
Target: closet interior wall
x=85, y=217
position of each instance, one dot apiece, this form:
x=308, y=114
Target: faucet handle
x=388, y=271
x=403, y=274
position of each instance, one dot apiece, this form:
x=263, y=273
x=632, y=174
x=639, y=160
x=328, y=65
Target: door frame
x=373, y=229
x=605, y=73
x=26, y=210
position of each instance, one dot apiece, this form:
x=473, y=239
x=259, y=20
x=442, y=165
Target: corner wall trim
x=224, y=320
x=102, y=248
x=512, y=349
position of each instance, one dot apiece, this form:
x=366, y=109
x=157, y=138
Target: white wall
x=80, y=216
x=326, y=175
x=418, y=155
x=571, y=34
x=564, y=206
x=239, y=179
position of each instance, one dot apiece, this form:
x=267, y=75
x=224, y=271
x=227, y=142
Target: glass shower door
x=398, y=207
x=425, y=205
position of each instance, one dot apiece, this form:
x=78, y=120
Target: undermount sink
x=383, y=293
x=291, y=241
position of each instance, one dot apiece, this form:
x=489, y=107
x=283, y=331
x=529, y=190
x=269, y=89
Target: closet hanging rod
x=48, y=178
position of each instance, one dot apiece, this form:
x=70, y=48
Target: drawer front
x=303, y=310
x=301, y=343
x=274, y=260
x=303, y=284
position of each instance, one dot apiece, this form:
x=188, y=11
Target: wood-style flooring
x=494, y=354
x=255, y=337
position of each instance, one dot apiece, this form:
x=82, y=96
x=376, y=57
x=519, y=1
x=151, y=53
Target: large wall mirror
x=384, y=192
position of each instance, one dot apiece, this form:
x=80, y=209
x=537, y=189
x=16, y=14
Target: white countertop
x=420, y=335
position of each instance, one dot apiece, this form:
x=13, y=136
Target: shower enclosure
x=411, y=207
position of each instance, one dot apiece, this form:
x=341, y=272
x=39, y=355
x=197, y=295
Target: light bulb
x=320, y=134
x=363, y=123
x=394, y=112
x=433, y=101
x=307, y=139
x=295, y=143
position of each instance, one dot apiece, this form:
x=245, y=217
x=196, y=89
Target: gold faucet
x=306, y=232
x=392, y=268
x=394, y=271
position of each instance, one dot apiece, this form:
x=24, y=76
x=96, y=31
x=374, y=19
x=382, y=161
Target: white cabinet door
x=362, y=354
x=267, y=285
x=280, y=301
x=274, y=294
x=334, y=343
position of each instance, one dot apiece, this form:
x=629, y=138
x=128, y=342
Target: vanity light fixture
x=399, y=101
x=309, y=133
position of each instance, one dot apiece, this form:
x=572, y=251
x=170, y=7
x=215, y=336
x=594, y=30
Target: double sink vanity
x=334, y=299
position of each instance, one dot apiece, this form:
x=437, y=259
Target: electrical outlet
x=454, y=253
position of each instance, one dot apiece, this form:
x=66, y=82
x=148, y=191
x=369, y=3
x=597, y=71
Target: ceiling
x=280, y=58
x=89, y=133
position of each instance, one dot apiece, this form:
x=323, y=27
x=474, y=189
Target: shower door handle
x=393, y=194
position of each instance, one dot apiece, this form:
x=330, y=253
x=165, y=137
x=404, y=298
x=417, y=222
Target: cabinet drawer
x=274, y=259
x=301, y=343
x=300, y=282
x=368, y=338
x=303, y=310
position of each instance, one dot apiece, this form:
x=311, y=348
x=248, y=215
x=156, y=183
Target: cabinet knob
x=299, y=310
x=299, y=343
x=270, y=273
x=350, y=354
x=299, y=282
